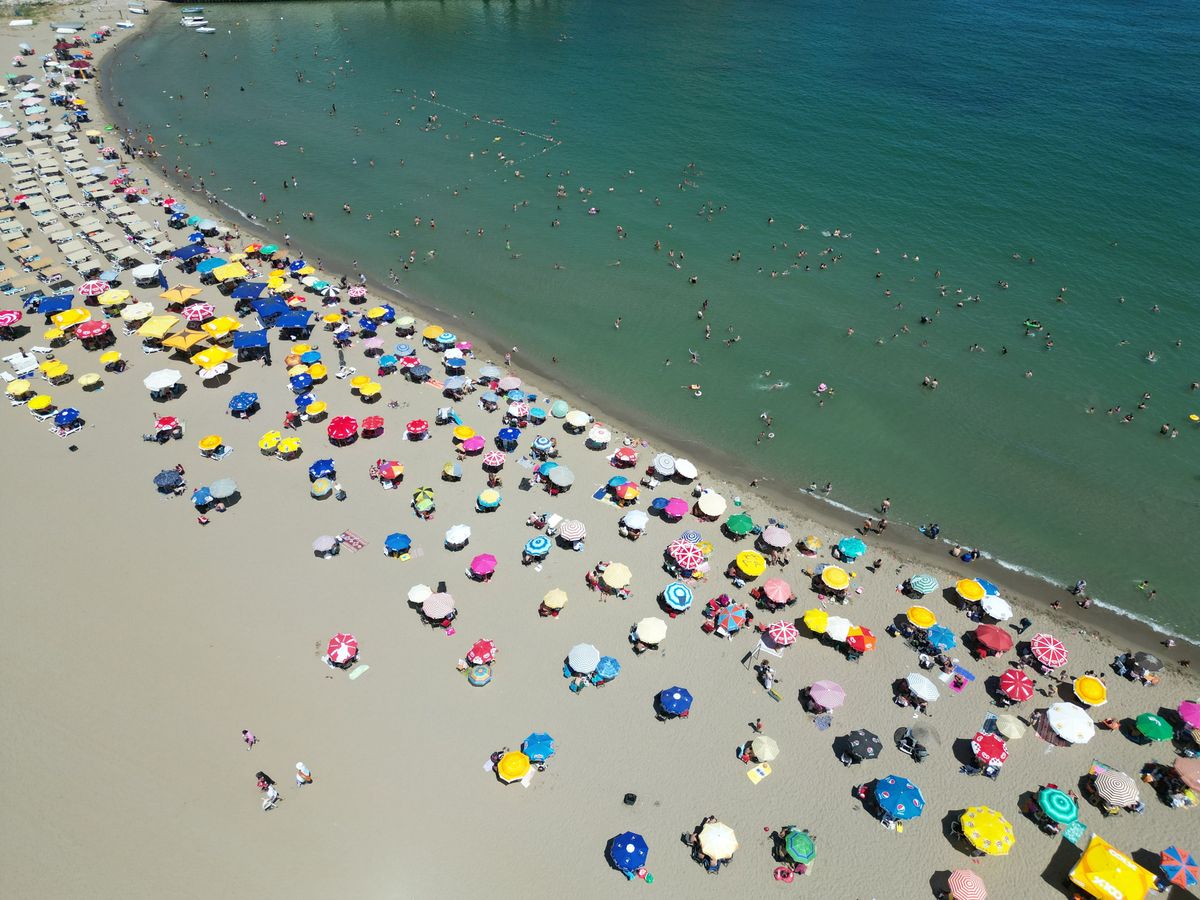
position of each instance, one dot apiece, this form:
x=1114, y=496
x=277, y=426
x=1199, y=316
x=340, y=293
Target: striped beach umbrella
x=1117, y=788
x=967, y=885
x=1058, y=805
x=678, y=596
x=342, y=648
x=688, y=556
x=572, y=530
x=923, y=584
x=538, y=546
x=783, y=634
x=1180, y=867
x=799, y=846
x=731, y=619
x=1049, y=650
x=583, y=658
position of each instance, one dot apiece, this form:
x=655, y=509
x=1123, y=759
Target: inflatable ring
x=697, y=393
x=1034, y=324
x=784, y=874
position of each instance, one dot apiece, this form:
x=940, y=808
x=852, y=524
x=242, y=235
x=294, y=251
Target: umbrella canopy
x=798, y=845
x=664, y=464
x=1010, y=726
x=636, y=519
x=899, y=798
x=941, y=638
x=1016, y=685
x=617, y=576
x=162, y=379
x=556, y=598
x=988, y=830
x=483, y=564
x=1104, y=871
x=835, y=578
x=861, y=639
x=816, y=620
x=513, y=766
x=1117, y=788
x=838, y=628
x=922, y=687
x=458, y=534
x=608, y=668
x=438, y=606
x=718, y=841
x=688, y=555
x=342, y=648
x=739, y=524
x=397, y=542
x=628, y=851
x=1049, y=650
x=751, y=564
x=851, y=548
x=572, y=530
x=783, y=634
x=675, y=700
x=994, y=638
x=1091, y=690
x=921, y=617
x=685, y=469
x=481, y=652
x=864, y=744
x=322, y=468
x=966, y=885
x=923, y=584
x=970, y=590
x=731, y=619
x=778, y=591
x=341, y=428
x=1180, y=867
x=1057, y=805
x=168, y=478
x=243, y=401
x=1147, y=662
x=538, y=546
x=713, y=504
x=1154, y=728
x=561, y=476
x=1189, y=711
x=996, y=607
x=583, y=658
x=539, y=746
x=677, y=595
x=828, y=694
x=488, y=498
x=651, y=630
x=223, y=488
x=988, y=748
x=1071, y=723
x=675, y=508
x=493, y=458
x=774, y=536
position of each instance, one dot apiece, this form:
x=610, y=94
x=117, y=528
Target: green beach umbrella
x=1154, y=728
x=1058, y=805
x=267, y=249
x=740, y=523
x=559, y=409
x=799, y=846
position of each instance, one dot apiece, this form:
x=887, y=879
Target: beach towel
x=352, y=541
x=758, y=773
x=358, y=670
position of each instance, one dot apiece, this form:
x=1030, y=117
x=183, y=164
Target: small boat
x=124, y=24
x=190, y=10
x=206, y=30
x=193, y=21
x=138, y=10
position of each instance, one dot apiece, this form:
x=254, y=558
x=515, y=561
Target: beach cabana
x=1104, y=871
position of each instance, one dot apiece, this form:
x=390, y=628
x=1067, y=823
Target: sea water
x=1052, y=149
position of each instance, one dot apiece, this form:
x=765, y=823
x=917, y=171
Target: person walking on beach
x=303, y=775
x=885, y=505
x=271, y=798
x=249, y=738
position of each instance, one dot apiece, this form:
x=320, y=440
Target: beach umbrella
x=608, y=668
x=617, y=576
x=482, y=651
x=921, y=617
x=488, y=498
x=542, y=444
x=243, y=401
x=10, y=317
x=561, y=476
x=538, y=546
x=677, y=595
x=988, y=588
x=555, y=598
x=838, y=628
x=458, y=534
x=201, y=496
x=922, y=687
x=988, y=748
x=966, y=885
x=301, y=382
x=209, y=442
x=675, y=508
x=19, y=388
x=861, y=639
x=718, y=841
x=322, y=468
x=320, y=487
x=626, y=455
x=835, y=578
x=419, y=593
x=778, y=591
x=479, y=676
x=987, y=830
x=572, y=530
x=223, y=488
x=1016, y=685
x=750, y=563
x=483, y=564
x=731, y=619
x=651, y=630
x=1147, y=662
x=996, y=607
x=828, y=694
x=629, y=851
x=1057, y=805
x=598, y=434
x=93, y=288
x=342, y=648
x=774, y=536
x=688, y=555
x=493, y=459
x=851, y=548
x=864, y=744
x=162, y=379
x=1104, y=871
x=1189, y=711
x=288, y=446
x=508, y=382
x=1010, y=726
x=664, y=464
x=198, y=312
x=397, y=542
x=970, y=590
x=1071, y=723
x=490, y=372
x=372, y=423
x=583, y=659
x=993, y=638
x=518, y=410
x=67, y=416
x=685, y=469
x=452, y=470
x=675, y=701
x=1180, y=867
x=539, y=746
x=437, y=606
x=1091, y=690
x=1154, y=728
x=513, y=766
x=166, y=423
x=739, y=524
x=1117, y=788
x=542, y=468
x=474, y=444
x=40, y=402
x=899, y=798
x=783, y=634
x=93, y=329
x=1049, y=650
x=135, y=312
x=713, y=504
x=417, y=427
x=816, y=620
x=627, y=490
x=764, y=748
x=168, y=478
x=636, y=519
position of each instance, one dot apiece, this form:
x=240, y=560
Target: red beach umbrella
x=988, y=748
x=994, y=638
x=493, y=459
x=91, y=329
x=783, y=633
x=626, y=455
x=1016, y=685
x=166, y=423
x=342, y=648
x=862, y=643
x=417, y=427
x=1049, y=650
x=688, y=556
x=341, y=428
x=372, y=423
x=482, y=651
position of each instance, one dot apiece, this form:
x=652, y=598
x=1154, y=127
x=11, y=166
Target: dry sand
x=140, y=644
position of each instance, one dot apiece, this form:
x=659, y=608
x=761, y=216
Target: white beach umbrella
x=162, y=379
x=419, y=593
x=711, y=503
x=599, y=435
x=458, y=534
x=135, y=312
x=583, y=659
x=651, y=630
x=922, y=687
x=996, y=607
x=838, y=628
x=685, y=469
x=1071, y=723
x=636, y=519
x=664, y=464
x=577, y=418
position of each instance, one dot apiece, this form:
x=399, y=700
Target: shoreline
x=1030, y=594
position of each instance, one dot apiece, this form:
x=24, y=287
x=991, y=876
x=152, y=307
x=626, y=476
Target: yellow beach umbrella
x=987, y=830
x=91, y=379
x=157, y=326
x=555, y=599
x=185, y=340
x=970, y=590
x=513, y=766
x=306, y=270
x=210, y=442
x=236, y=257
x=816, y=619
x=316, y=408
x=181, y=294
x=53, y=334
x=812, y=542
x=463, y=432
x=110, y=356
x=230, y=271
x=318, y=371
x=54, y=369
x=289, y=445
x=19, y=388
x=331, y=318
x=489, y=496
x=370, y=390
x=921, y=616
x=432, y=332
x=1091, y=690
x=751, y=563
x=617, y=575
x=113, y=297
x=378, y=312
x=212, y=357
x=835, y=578
x=70, y=317
x=269, y=441
x=299, y=369
x=321, y=487
x=41, y=401
x=1104, y=871
x=221, y=326
x=718, y=841
x=275, y=283
x=359, y=381
x=300, y=349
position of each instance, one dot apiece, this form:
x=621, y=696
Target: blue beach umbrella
x=675, y=701
x=515, y=395
x=545, y=467
x=389, y=313
x=851, y=547
x=489, y=397
x=248, y=290
x=311, y=356
x=899, y=798
x=617, y=480
x=941, y=637
x=214, y=262
x=542, y=443
x=608, y=668
x=322, y=468
x=539, y=746
x=201, y=496
x=296, y=265
x=690, y=536
x=243, y=401
x=66, y=416
x=537, y=414
x=54, y=305
x=167, y=478
x=301, y=382
x=988, y=587
x=1179, y=866
x=629, y=851
x=453, y=383
x=303, y=401
x=454, y=362
x=538, y=546
x=509, y=435
x=387, y=361
x=196, y=237
x=923, y=584
x=678, y=596
x=397, y=543
x=403, y=349
x=420, y=371
x=447, y=337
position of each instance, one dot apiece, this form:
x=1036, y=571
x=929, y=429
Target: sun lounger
x=66, y=430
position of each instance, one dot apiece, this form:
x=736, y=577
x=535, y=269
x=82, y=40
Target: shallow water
x=958, y=134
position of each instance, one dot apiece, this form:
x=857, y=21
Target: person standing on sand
x=303, y=775
x=249, y=738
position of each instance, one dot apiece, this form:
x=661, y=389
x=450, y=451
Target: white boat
x=124, y=24
x=193, y=21
x=206, y=30
x=138, y=10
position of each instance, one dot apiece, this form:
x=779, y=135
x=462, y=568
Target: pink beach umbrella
x=828, y=694
x=572, y=530
x=688, y=556
x=473, y=444
x=1189, y=711
x=518, y=410
x=373, y=343
x=675, y=508
x=198, y=312
x=627, y=455
x=784, y=634
x=1049, y=650
x=93, y=288
x=342, y=648
x=778, y=590
x=493, y=459
x=509, y=383
x=483, y=564
x=357, y=291
x=774, y=536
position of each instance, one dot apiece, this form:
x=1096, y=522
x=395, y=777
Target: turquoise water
x=956, y=132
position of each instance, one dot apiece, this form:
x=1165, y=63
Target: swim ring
x=1033, y=324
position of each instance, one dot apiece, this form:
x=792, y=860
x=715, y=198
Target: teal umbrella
x=799, y=846
x=740, y=523
x=560, y=409
x=1058, y=805
x=923, y=584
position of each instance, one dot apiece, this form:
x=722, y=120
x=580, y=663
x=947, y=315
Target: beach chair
x=64, y=431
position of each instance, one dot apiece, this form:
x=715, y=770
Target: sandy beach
x=149, y=642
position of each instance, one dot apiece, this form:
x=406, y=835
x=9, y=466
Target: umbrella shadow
x=963, y=753
x=1065, y=691
x=939, y=884
x=952, y=830
x=1056, y=873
